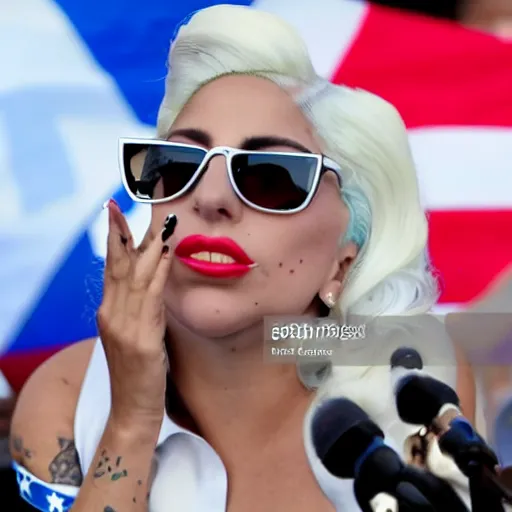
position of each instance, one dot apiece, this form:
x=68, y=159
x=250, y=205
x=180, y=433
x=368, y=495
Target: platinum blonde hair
x=362, y=132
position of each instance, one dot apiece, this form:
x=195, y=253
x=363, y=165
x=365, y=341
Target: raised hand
x=131, y=321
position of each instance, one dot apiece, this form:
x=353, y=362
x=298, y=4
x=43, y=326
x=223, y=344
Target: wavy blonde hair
x=362, y=132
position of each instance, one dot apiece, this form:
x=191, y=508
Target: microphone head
x=407, y=358
x=419, y=398
x=341, y=432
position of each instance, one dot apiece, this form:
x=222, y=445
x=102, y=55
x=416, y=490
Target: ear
x=332, y=288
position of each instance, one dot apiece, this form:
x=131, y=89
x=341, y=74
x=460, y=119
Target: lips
x=214, y=257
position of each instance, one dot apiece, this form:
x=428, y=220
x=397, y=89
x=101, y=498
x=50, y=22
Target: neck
x=493, y=16
x=233, y=393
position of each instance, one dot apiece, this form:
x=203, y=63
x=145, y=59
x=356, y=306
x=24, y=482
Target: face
x=296, y=256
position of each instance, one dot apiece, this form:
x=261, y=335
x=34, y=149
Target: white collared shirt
x=189, y=475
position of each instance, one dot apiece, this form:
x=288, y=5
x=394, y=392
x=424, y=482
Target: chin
x=214, y=313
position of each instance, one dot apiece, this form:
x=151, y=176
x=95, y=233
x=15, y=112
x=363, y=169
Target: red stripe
x=439, y=74
x=469, y=249
x=18, y=367
x=435, y=73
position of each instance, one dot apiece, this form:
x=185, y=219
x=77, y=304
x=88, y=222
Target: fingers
x=119, y=244
x=150, y=272
x=134, y=281
x=149, y=260
x=120, y=254
x=154, y=298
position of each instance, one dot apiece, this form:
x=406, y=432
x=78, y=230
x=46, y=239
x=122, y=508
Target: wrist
x=135, y=429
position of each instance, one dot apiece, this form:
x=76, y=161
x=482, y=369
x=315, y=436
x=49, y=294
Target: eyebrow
x=248, y=144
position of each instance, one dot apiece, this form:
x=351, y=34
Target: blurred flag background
x=75, y=76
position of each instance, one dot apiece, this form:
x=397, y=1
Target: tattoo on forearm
x=112, y=468
x=18, y=447
x=108, y=509
x=65, y=467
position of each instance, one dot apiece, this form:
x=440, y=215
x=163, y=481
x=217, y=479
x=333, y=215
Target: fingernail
x=169, y=226
x=124, y=240
x=165, y=249
x=109, y=203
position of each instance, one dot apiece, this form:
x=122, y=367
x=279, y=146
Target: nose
x=213, y=198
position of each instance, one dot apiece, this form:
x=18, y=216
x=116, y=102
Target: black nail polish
x=124, y=240
x=165, y=249
x=169, y=226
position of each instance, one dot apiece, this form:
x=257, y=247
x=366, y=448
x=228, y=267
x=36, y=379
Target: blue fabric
x=129, y=40
x=41, y=495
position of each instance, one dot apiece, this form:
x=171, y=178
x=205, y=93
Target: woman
x=273, y=192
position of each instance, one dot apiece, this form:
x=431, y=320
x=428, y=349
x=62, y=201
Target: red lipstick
x=214, y=257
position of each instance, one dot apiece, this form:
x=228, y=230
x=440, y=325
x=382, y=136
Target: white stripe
x=444, y=309
x=42, y=22
x=462, y=168
x=327, y=26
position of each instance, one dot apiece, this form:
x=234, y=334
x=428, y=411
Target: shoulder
x=43, y=421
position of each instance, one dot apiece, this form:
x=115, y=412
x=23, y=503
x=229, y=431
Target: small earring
x=329, y=300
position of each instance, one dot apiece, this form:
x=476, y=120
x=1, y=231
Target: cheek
x=306, y=250
x=159, y=213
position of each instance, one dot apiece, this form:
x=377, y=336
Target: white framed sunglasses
x=155, y=171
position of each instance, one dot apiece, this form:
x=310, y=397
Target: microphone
x=423, y=400
x=407, y=358
x=351, y=445
x=342, y=432
x=419, y=398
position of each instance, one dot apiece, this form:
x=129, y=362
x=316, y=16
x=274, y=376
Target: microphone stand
x=484, y=495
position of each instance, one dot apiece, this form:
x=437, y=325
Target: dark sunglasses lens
x=155, y=171
x=275, y=182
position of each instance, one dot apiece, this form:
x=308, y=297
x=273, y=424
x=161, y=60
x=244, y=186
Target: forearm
x=119, y=477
